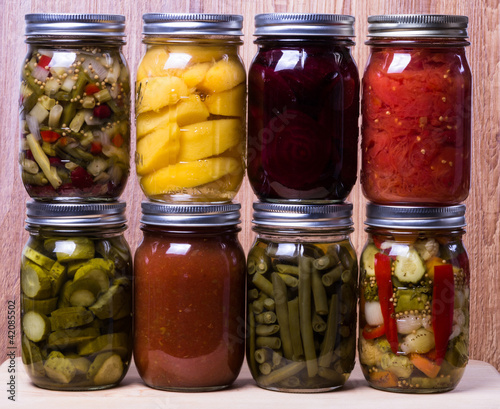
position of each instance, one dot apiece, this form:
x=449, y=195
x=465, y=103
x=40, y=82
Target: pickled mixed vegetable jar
x=74, y=108
x=303, y=108
x=302, y=282
x=76, y=284
x=414, y=299
x=190, y=108
x=416, y=133
x=189, y=297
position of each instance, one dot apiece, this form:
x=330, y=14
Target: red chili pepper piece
x=117, y=140
x=102, y=111
x=49, y=136
x=44, y=62
x=95, y=148
x=81, y=179
x=385, y=293
x=370, y=332
x=443, y=300
x=91, y=89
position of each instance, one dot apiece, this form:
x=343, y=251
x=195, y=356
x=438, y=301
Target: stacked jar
x=76, y=269
x=189, y=282
x=302, y=163
x=416, y=158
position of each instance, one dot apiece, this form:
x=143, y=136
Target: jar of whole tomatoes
x=76, y=296
x=75, y=108
x=303, y=108
x=189, y=297
x=302, y=282
x=414, y=299
x=190, y=108
x=416, y=133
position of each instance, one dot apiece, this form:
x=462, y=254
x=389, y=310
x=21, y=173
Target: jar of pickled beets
x=414, y=299
x=75, y=108
x=189, y=297
x=302, y=277
x=416, y=132
x=191, y=108
x=303, y=108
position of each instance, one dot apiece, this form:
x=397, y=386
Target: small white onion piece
x=373, y=313
x=408, y=324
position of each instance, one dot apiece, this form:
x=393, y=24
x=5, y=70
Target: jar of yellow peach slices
x=190, y=108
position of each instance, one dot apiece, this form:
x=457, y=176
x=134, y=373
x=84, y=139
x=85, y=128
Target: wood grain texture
x=483, y=232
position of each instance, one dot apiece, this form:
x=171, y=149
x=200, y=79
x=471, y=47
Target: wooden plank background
x=483, y=233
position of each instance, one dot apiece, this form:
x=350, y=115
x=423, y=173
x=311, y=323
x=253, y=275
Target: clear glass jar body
x=190, y=306
x=75, y=120
x=414, y=309
x=190, y=116
x=303, y=109
x=76, y=290
x=416, y=132
x=309, y=278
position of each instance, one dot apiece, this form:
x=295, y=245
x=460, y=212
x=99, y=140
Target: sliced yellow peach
x=198, y=53
x=158, y=92
x=176, y=177
x=193, y=75
x=149, y=121
x=224, y=75
x=209, y=138
x=157, y=149
x=153, y=63
x=227, y=103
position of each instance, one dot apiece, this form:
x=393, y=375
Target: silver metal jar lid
x=61, y=24
x=192, y=215
x=418, y=25
x=76, y=215
x=192, y=24
x=298, y=24
x=302, y=216
x=414, y=217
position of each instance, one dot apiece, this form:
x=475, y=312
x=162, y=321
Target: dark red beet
x=81, y=178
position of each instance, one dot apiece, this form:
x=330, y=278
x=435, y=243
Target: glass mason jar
x=190, y=108
x=75, y=108
x=76, y=284
x=416, y=133
x=414, y=299
x=302, y=286
x=189, y=297
x=303, y=108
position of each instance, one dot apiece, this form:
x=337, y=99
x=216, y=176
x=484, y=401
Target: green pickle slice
x=35, y=281
x=70, y=317
x=59, y=368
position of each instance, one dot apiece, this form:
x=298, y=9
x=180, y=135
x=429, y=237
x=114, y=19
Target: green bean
x=327, y=347
x=330, y=259
x=268, y=317
x=348, y=299
x=344, y=331
x=68, y=113
x=291, y=382
x=253, y=294
x=294, y=323
x=319, y=293
x=332, y=276
x=289, y=280
x=331, y=375
x=305, y=264
x=276, y=358
x=261, y=355
x=263, y=284
x=259, y=259
x=287, y=269
x=269, y=304
x=280, y=298
x=265, y=330
x=346, y=276
x=79, y=85
x=270, y=342
x=281, y=374
x=318, y=323
x=346, y=258
x=258, y=304
x=251, y=343
x=39, y=179
x=265, y=368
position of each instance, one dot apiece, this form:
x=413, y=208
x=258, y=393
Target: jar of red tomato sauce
x=414, y=299
x=190, y=297
x=303, y=108
x=416, y=132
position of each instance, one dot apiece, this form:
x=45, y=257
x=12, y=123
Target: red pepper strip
x=49, y=136
x=91, y=89
x=370, y=332
x=443, y=299
x=95, y=148
x=44, y=62
x=117, y=140
x=385, y=293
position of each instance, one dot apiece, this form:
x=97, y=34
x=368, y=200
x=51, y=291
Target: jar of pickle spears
x=75, y=108
x=417, y=87
x=414, y=299
x=303, y=108
x=190, y=108
x=76, y=296
x=302, y=285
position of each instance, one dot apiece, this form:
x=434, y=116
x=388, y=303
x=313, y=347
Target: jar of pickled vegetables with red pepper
x=414, y=299
x=74, y=108
x=416, y=132
x=303, y=107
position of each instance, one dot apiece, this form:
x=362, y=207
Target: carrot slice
x=427, y=366
x=384, y=379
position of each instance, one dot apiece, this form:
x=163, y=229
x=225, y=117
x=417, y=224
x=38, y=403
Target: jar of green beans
x=302, y=274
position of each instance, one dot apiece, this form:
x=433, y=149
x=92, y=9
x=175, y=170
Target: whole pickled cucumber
x=70, y=317
x=59, y=368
